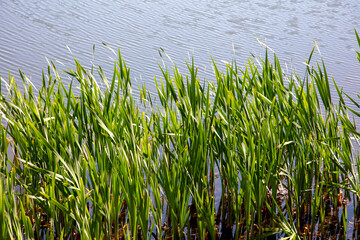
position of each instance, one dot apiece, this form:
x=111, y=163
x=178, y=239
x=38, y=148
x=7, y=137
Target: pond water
x=32, y=30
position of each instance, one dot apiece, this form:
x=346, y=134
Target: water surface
x=32, y=30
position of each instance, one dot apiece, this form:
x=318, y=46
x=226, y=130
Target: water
x=32, y=30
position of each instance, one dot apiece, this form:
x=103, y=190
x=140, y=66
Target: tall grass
x=84, y=162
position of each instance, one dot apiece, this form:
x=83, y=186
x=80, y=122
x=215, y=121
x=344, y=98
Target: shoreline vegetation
x=255, y=155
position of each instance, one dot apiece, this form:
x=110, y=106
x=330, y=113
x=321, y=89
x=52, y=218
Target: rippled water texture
x=33, y=29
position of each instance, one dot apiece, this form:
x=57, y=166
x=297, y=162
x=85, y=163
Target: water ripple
x=32, y=30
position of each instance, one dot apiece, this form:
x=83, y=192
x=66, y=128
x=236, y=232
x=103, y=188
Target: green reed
x=88, y=162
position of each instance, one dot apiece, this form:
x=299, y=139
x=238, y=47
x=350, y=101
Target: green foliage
x=84, y=162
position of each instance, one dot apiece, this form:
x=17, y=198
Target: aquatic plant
x=256, y=153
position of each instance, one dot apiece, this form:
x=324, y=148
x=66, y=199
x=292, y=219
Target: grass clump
x=254, y=154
